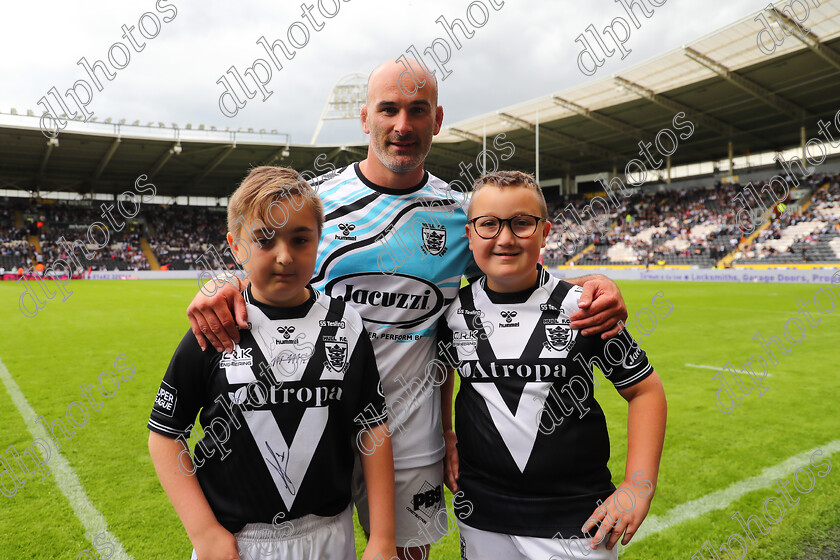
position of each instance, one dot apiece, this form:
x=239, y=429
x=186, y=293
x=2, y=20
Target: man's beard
x=395, y=166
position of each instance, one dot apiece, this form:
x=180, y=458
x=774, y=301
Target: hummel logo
x=508, y=315
x=346, y=228
x=286, y=331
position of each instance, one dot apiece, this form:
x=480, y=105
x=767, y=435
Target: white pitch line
x=716, y=368
x=723, y=498
x=69, y=484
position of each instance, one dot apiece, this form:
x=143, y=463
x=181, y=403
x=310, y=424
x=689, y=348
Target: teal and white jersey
x=397, y=256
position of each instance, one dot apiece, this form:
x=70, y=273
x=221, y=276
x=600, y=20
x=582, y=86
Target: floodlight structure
x=345, y=101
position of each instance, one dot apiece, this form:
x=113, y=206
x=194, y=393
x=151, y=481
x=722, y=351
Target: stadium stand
x=690, y=227
x=179, y=235
x=809, y=236
x=697, y=227
x=182, y=234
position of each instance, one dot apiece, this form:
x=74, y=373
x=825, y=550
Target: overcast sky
x=526, y=49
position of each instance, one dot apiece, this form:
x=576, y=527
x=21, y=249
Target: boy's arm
x=450, y=459
x=378, y=468
x=624, y=511
x=210, y=539
x=602, y=308
x=216, y=310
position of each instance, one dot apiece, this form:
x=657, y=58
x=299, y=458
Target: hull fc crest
x=434, y=239
x=558, y=335
x=336, y=355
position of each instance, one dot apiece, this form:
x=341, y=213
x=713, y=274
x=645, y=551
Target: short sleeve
x=183, y=390
x=445, y=350
x=622, y=355
x=620, y=358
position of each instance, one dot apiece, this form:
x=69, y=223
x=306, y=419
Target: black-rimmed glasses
x=523, y=226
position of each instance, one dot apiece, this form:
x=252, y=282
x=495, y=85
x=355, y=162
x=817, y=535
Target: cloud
x=524, y=50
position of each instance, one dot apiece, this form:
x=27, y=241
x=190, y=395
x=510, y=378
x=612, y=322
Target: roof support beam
x=281, y=153
x=466, y=135
x=164, y=157
x=615, y=124
x=51, y=143
x=354, y=151
x=519, y=152
x=583, y=145
x=331, y=156
x=759, y=92
x=451, y=154
x=103, y=163
x=220, y=157
x=699, y=117
x=791, y=27
x=530, y=157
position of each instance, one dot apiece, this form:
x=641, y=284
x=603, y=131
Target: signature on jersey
x=279, y=462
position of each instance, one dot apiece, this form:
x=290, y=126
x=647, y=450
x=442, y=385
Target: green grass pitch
x=71, y=342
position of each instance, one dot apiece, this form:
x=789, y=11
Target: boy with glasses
x=530, y=456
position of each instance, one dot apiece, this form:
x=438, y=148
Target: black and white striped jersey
x=279, y=413
x=532, y=439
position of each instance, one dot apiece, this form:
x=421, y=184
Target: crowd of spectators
x=803, y=236
x=687, y=226
x=14, y=244
x=49, y=222
x=182, y=234
x=695, y=226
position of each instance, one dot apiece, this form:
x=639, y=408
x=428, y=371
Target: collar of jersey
x=515, y=297
x=385, y=190
x=275, y=313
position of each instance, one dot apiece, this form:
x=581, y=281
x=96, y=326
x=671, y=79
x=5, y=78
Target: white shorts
x=307, y=538
x=420, y=515
x=485, y=545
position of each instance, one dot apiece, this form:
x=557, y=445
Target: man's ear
x=438, y=118
x=363, y=115
x=546, y=229
x=469, y=235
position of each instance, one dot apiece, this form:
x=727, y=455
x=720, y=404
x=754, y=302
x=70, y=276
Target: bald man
x=394, y=247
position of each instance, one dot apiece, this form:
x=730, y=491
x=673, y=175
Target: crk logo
x=427, y=500
x=508, y=315
x=286, y=331
x=337, y=356
x=239, y=357
x=434, y=239
x=346, y=228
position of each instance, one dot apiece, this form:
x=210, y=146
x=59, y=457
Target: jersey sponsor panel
x=521, y=478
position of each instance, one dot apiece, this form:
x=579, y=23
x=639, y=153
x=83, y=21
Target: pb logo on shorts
x=428, y=499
